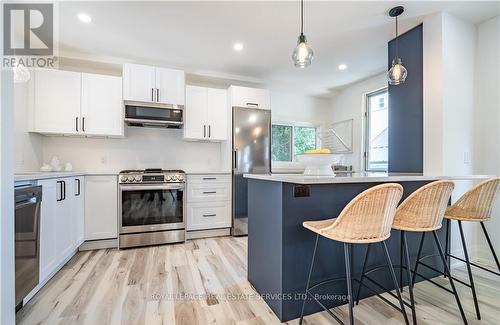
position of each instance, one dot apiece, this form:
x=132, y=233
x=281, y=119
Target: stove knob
x=175, y=177
x=181, y=178
x=169, y=178
x=131, y=178
x=123, y=178
x=138, y=178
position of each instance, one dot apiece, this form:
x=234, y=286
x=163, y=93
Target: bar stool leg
x=418, y=258
x=365, y=264
x=395, y=280
x=489, y=244
x=401, y=261
x=408, y=276
x=469, y=272
x=306, y=296
x=447, y=243
x=349, y=281
x=443, y=259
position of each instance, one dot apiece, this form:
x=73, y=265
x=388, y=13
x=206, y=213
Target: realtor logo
x=28, y=29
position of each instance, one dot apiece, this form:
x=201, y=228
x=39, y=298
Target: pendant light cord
x=301, y=17
x=397, y=40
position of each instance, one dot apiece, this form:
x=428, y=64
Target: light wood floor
x=208, y=277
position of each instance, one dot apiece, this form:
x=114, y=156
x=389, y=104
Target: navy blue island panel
x=280, y=249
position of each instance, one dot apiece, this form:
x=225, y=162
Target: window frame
x=292, y=143
x=366, y=114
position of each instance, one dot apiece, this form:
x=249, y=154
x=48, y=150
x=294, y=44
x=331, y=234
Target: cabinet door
x=170, y=84
x=65, y=230
x=48, y=235
x=56, y=101
x=102, y=112
x=195, y=113
x=79, y=209
x=101, y=207
x=250, y=97
x=217, y=114
x=139, y=83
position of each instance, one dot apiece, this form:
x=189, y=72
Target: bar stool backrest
x=476, y=204
x=424, y=209
x=368, y=217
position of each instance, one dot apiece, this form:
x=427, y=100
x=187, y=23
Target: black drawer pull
x=210, y=215
x=210, y=192
x=209, y=178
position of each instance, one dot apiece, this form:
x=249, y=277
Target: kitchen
x=147, y=172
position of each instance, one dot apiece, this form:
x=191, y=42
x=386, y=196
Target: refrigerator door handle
x=235, y=159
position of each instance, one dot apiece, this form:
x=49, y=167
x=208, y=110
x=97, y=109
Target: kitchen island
x=280, y=249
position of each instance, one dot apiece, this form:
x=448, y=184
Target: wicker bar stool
x=475, y=206
x=422, y=211
x=366, y=219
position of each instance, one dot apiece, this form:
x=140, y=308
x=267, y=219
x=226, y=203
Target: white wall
x=349, y=104
x=487, y=120
x=288, y=107
x=7, y=289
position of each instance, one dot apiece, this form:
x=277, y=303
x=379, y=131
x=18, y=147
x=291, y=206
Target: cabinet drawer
x=208, y=215
x=208, y=192
x=209, y=179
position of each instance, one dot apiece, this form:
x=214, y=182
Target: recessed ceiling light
x=342, y=66
x=238, y=47
x=84, y=18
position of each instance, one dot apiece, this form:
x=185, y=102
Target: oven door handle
x=151, y=187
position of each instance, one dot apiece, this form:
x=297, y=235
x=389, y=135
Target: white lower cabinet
x=101, y=208
x=208, y=202
x=79, y=209
x=61, y=215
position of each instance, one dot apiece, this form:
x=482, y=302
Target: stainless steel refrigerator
x=251, y=155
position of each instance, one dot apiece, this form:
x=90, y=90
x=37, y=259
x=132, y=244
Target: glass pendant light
x=303, y=53
x=397, y=73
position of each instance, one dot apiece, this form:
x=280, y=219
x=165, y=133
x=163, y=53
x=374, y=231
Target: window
x=376, y=139
x=290, y=140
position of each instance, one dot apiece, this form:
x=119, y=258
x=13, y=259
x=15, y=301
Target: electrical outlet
x=467, y=159
x=104, y=160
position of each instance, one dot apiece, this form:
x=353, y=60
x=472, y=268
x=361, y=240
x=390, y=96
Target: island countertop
x=359, y=178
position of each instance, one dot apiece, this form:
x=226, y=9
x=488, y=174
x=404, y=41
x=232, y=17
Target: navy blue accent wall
x=406, y=106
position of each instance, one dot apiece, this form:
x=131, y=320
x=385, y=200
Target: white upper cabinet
x=75, y=103
x=250, y=97
x=102, y=107
x=55, y=101
x=205, y=115
x=217, y=114
x=170, y=85
x=139, y=83
x=150, y=84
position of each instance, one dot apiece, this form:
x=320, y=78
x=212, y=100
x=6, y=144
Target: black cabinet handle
x=210, y=215
x=64, y=190
x=210, y=192
x=204, y=131
x=76, y=124
x=209, y=131
x=79, y=190
x=252, y=105
x=209, y=178
x=152, y=95
x=157, y=94
x=61, y=191
x=83, y=124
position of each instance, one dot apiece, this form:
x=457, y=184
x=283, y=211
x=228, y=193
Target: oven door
x=146, y=208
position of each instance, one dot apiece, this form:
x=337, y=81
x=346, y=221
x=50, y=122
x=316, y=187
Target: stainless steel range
x=151, y=209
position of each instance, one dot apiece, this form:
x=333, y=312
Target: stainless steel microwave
x=154, y=115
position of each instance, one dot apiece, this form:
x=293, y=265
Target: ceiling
x=199, y=36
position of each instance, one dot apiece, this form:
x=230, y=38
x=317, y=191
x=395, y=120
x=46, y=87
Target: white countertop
x=358, y=178
x=32, y=176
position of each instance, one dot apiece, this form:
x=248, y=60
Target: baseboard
x=98, y=244
x=198, y=234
